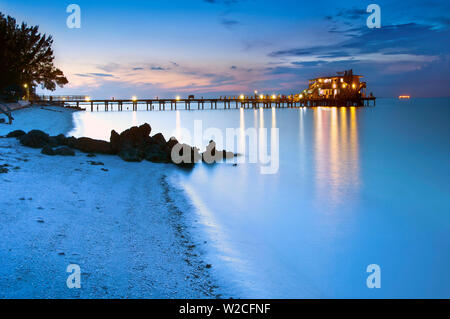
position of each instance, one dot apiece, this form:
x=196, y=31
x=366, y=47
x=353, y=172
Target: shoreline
x=126, y=231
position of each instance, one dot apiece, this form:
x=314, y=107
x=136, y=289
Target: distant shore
x=118, y=221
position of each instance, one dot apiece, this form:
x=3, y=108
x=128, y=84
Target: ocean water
x=352, y=187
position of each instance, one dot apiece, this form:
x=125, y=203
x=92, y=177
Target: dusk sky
x=229, y=47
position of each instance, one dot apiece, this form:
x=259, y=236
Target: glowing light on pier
x=301, y=96
x=241, y=97
x=134, y=98
x=87, y=98
x=178, y=98
x=25, y=85
x=404, y=97
x=261, y=96
x=274, y=97
x=354, y=85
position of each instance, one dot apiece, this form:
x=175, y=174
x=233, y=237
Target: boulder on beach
x=136, y=144
x=171, y=143
x=58, y=140
x=135, y=137
x=130, y=154
x=159, y=138
x=16, y=133
x=35, y=139
x=70, y=141
x=64, y=151
x=132, y=145
x=48, y=150
x=157, y=154
x=89, y=145
x=61, y=151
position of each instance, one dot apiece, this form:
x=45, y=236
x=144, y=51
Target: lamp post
x=27, y=91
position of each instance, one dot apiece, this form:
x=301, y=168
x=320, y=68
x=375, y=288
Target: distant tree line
x=26, y=60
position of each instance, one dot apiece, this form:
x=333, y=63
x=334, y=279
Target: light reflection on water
x=336, y=155
x=355, y=187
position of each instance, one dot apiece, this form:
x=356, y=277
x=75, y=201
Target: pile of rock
x=132, y=145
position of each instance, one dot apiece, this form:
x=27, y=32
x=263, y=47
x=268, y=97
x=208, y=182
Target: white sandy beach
x=120, y=222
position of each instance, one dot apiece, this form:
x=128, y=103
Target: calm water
x=354, y=187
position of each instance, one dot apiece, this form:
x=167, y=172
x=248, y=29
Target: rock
x=146, y=129
x=135, y=137
x=2, y=121
x=35, y=139
x=89, y=145
x=96, y=163
x=130, y=154
x=155, y=153
x=48, y=150
x=159, y=138
x=64, y=151
x=16, y=133
x=59, y=140
x=70, y=141
x=171, y=143
x=114, y=140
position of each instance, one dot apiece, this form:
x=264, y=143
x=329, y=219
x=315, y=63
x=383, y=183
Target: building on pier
x=344, y=86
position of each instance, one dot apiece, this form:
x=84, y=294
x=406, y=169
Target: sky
x=211, y=48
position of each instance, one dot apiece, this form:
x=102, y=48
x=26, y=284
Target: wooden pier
x=201, y=104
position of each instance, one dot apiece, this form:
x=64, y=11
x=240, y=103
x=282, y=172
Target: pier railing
x=83, y=102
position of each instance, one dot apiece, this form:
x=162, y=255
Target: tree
x=26, y=58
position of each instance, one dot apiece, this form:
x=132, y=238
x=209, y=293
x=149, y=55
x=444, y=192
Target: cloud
x=352, y=14
x=93, y=75
x=226, y=2
x=309, y=63
x=158, y=68
x=294, y=52
x=335, y=54
x=409, y=40
x=229, y=23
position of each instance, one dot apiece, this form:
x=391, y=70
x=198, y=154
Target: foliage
x=26, y=57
